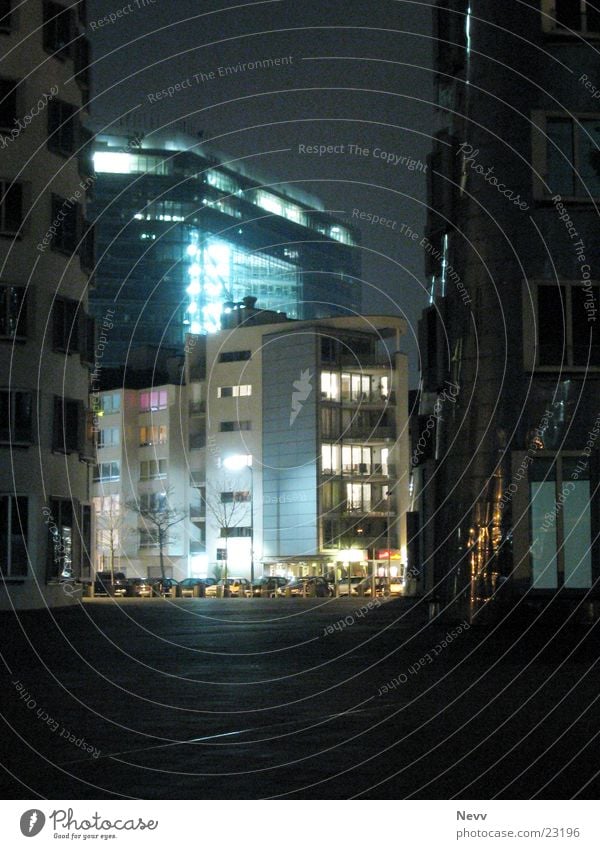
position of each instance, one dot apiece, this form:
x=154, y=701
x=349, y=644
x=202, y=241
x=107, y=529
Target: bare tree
x=113, y=531
x=159, y=517
x=227, y=513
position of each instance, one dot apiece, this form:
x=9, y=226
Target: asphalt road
x=294, y=698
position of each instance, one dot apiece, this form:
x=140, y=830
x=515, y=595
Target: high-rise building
x=180, y=232
x=46, y=339
x=511, y=352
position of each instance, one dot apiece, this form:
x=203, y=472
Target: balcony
x=197, y=408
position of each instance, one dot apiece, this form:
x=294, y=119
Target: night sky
x=359, y=74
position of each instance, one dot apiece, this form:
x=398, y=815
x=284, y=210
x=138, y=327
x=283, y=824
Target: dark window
x=58, y=29
x=11, y=207
x=236, y=532
x=16, y=417
x=329, y=349
x=68, y=425
x=567, y=334
x=61, y=528
x=568, y=13
x=230, y=427
x=233, y=497
x=8, y=105
x=577, y=15
x=551, y=325
x=13, y=536
x=6, y=22
x=585, y=335
x=107, y=472
x=82, y=12
x=573, y=159
x=65, y=325
x=89, y=348
x=13, y=312
x=62, y=127
x=65, y=215
x=234, y=356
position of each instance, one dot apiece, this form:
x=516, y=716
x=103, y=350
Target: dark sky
x=359, y=75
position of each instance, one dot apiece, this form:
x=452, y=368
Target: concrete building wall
x=48, y=478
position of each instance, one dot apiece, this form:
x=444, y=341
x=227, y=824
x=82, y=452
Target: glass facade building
x=179, y=235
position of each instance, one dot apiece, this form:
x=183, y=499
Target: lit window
x=153, y=401
x=153, y=435
x=107, y=162
x=279, y=206
x=239, y=391
x=330, y=458
x=330, y=386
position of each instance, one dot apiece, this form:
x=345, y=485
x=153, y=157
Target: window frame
x=22, y=517
x=531, y=345
x=28, y=438
x=66, y=329
x=112, y=476
x=149, y=407
x=54, y=17
x=68, y=230
x=21, y=332
x=15, y=92
x=59, y=126
x=67, y=439
x=551, y=26
x=540, y=143
x=159, y=475
x=8, y=186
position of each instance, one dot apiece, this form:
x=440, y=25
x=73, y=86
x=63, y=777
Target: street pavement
x=294, y=698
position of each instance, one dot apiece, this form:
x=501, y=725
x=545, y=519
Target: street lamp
x=235, y=463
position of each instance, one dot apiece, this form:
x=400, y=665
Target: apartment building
x=300, y=435
x=46, y=337
x=141, y=471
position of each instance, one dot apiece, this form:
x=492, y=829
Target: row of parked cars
x=269, y=587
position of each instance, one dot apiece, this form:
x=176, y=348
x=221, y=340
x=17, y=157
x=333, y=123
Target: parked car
x=307, y=586
x=166, y=587
x=140, y=587
x=237, y=587
x=267, y=585
x=193, y=587
x=383, y=586
x=105, y=585
x=355, y=583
